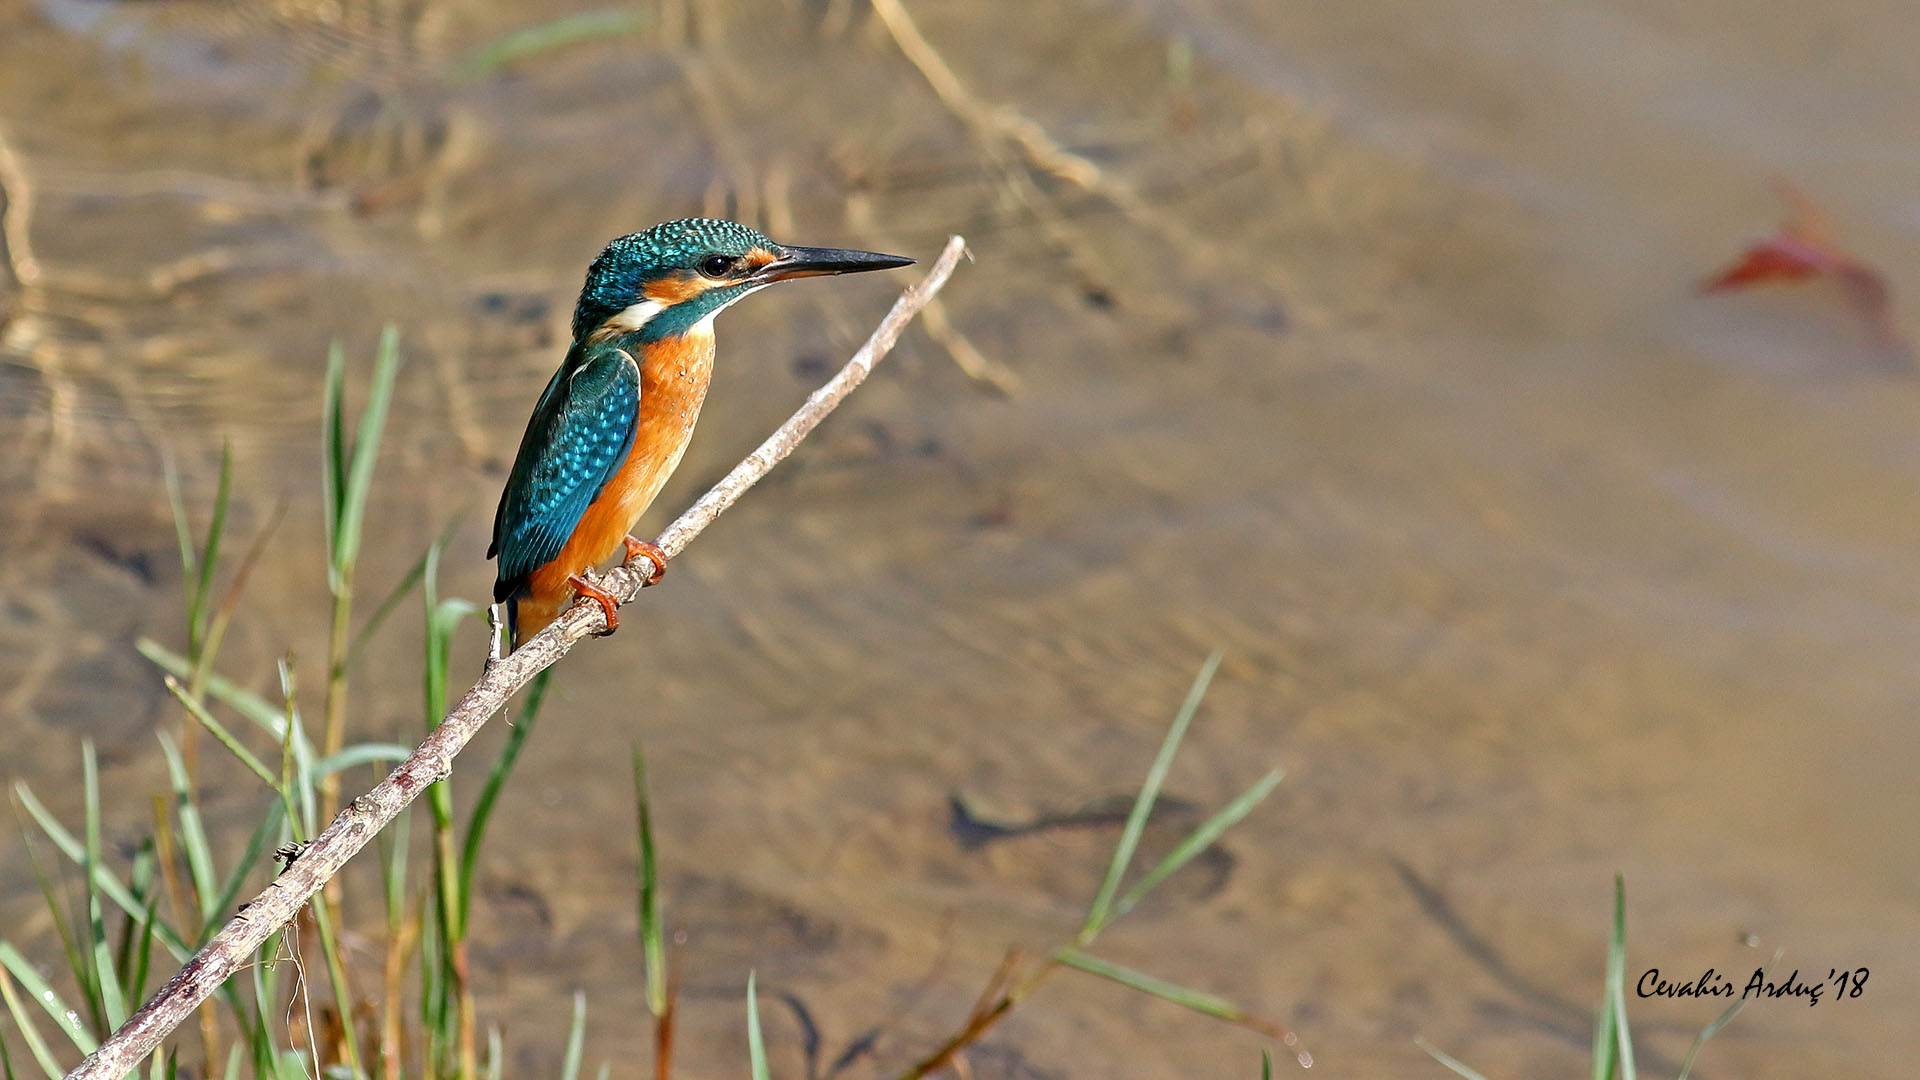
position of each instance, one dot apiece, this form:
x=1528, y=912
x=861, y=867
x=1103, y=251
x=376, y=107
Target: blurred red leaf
x=1784, y=257
x=1804, y=248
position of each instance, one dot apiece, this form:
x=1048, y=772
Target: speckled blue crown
x=672, y=247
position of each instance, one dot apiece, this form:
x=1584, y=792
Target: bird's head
x=668, y=280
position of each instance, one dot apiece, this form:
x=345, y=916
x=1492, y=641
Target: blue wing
x=580, y=433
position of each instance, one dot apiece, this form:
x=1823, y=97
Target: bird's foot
x=652, y=552
x=607, y=601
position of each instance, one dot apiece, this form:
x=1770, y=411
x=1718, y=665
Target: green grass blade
x=220, y=732
x=756, y=1043
x=330, y=949
x=143, y=956
x=1606, y=1022
x=110, y=886
x=250, y=859
x=1458, y=1067
x=1202, y=838
x=63, y=1015
x=395, y=840
x=496, y=1052
x=497, y=780
x=202, y=594
x=565, y=30
x=266, y=991
x=1266, y=1065
x=652, y=935
x=56, y=908
x=112, y=1009
x=264, y=714
x=220, y=617
x=360, y=754
x=1617, y=979
x=141, y=882
x=333, y=470
x=443, y=621
x=438, y=641
x=36, y=1045
x=295, y=782
x=245, y=702
x=366, y=450
x=6, y=1059
x=1603, y=1041
x=398, y=593
x=1102, y=909
x=435, y=1003
x=182, y=527
x=1725, y=1018
x=1207, y=1004
x=193, y=833
x=576, y=1038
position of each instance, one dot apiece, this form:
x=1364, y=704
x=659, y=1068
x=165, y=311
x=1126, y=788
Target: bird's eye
x=717, y=266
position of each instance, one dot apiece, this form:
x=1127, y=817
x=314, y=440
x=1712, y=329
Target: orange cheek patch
x=669, y=291
x=759, y=257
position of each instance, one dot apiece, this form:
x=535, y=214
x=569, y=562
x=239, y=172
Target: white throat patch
x=634, y=317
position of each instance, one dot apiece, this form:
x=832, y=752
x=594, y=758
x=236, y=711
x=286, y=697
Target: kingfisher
x=614, y=420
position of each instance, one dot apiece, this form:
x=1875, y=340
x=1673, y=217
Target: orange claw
x=607, y=601
x=652, y=552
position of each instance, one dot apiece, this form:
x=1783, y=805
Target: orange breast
x=673, y=383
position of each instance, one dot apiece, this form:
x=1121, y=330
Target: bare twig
x=988, y=1011
x=663, y=1025
x=22, y=327
x=1003, y=992
x=365, y=816
x=1001, y=127
x=1022, y=149
x=972, y=363
x=16, y=209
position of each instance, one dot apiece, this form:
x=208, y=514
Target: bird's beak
x=797, y=262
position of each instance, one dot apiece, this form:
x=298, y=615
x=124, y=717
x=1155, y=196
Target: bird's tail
x=527, y=616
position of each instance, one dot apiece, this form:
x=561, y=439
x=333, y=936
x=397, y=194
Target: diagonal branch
x=367, y=815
